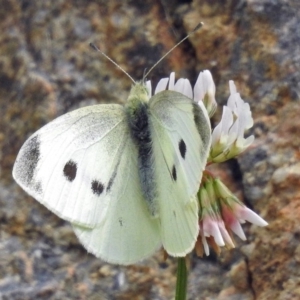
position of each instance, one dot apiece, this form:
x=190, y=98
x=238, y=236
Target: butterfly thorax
x=138, y=118
x=137, y=111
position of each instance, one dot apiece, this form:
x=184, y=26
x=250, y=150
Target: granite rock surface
x=47, y=69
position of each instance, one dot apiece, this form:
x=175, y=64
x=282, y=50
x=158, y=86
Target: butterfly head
x=139, y=94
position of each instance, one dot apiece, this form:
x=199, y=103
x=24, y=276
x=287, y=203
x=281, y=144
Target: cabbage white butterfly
x=126, y=177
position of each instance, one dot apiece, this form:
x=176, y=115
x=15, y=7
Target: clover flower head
x=220, y=212
x=220, y=215
x=228, y=136
x=235, y=212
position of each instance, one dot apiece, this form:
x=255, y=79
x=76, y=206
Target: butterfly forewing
x=181, y=140
x=68, y=165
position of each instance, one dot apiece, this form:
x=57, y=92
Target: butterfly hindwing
x=181, y=140
x=130, y=233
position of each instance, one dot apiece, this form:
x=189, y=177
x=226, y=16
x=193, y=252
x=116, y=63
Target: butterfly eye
x=70, y=170
x=182, y=148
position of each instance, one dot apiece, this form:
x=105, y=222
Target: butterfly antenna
x=188, y=35
x=112, y=61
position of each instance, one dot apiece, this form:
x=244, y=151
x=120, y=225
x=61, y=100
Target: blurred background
x=47, y=69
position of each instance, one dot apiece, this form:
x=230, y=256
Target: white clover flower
x=204, y=91
x=235, y=212
x=211, y=222
x=220, y=212
x=228, y=136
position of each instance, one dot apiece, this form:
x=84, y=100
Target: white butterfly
x=125, y=176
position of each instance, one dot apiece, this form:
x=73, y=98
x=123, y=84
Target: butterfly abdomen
x=139, y=125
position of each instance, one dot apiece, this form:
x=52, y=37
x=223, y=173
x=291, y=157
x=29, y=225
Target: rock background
x=47, y=69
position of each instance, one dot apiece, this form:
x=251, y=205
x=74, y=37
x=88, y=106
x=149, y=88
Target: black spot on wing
x=70, y=170
x=182, y=148
x=97, y=187
x=174, y=173
x=27, y=163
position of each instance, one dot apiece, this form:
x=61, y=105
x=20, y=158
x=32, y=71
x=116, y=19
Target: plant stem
x=181, y=284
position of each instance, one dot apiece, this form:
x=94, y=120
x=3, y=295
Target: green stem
x=181, y=284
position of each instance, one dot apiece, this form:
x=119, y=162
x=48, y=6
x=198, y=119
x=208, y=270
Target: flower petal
x=205, y=245
x=236, y=227
x=172, y=82
x=232, y=87
x=179, y=86
x=243, y=212
x=184, y=87
x=188, y=91
x=225, y=235
x=204, y=90
x=149, y=87
x=211, y=228
x=223, y=127
x=199, y=89
x=162, y=85
x=203, y=239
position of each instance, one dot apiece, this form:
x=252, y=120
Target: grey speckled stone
x=47, y=69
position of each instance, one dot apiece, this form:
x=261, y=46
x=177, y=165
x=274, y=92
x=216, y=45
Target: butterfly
x=126, y=177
